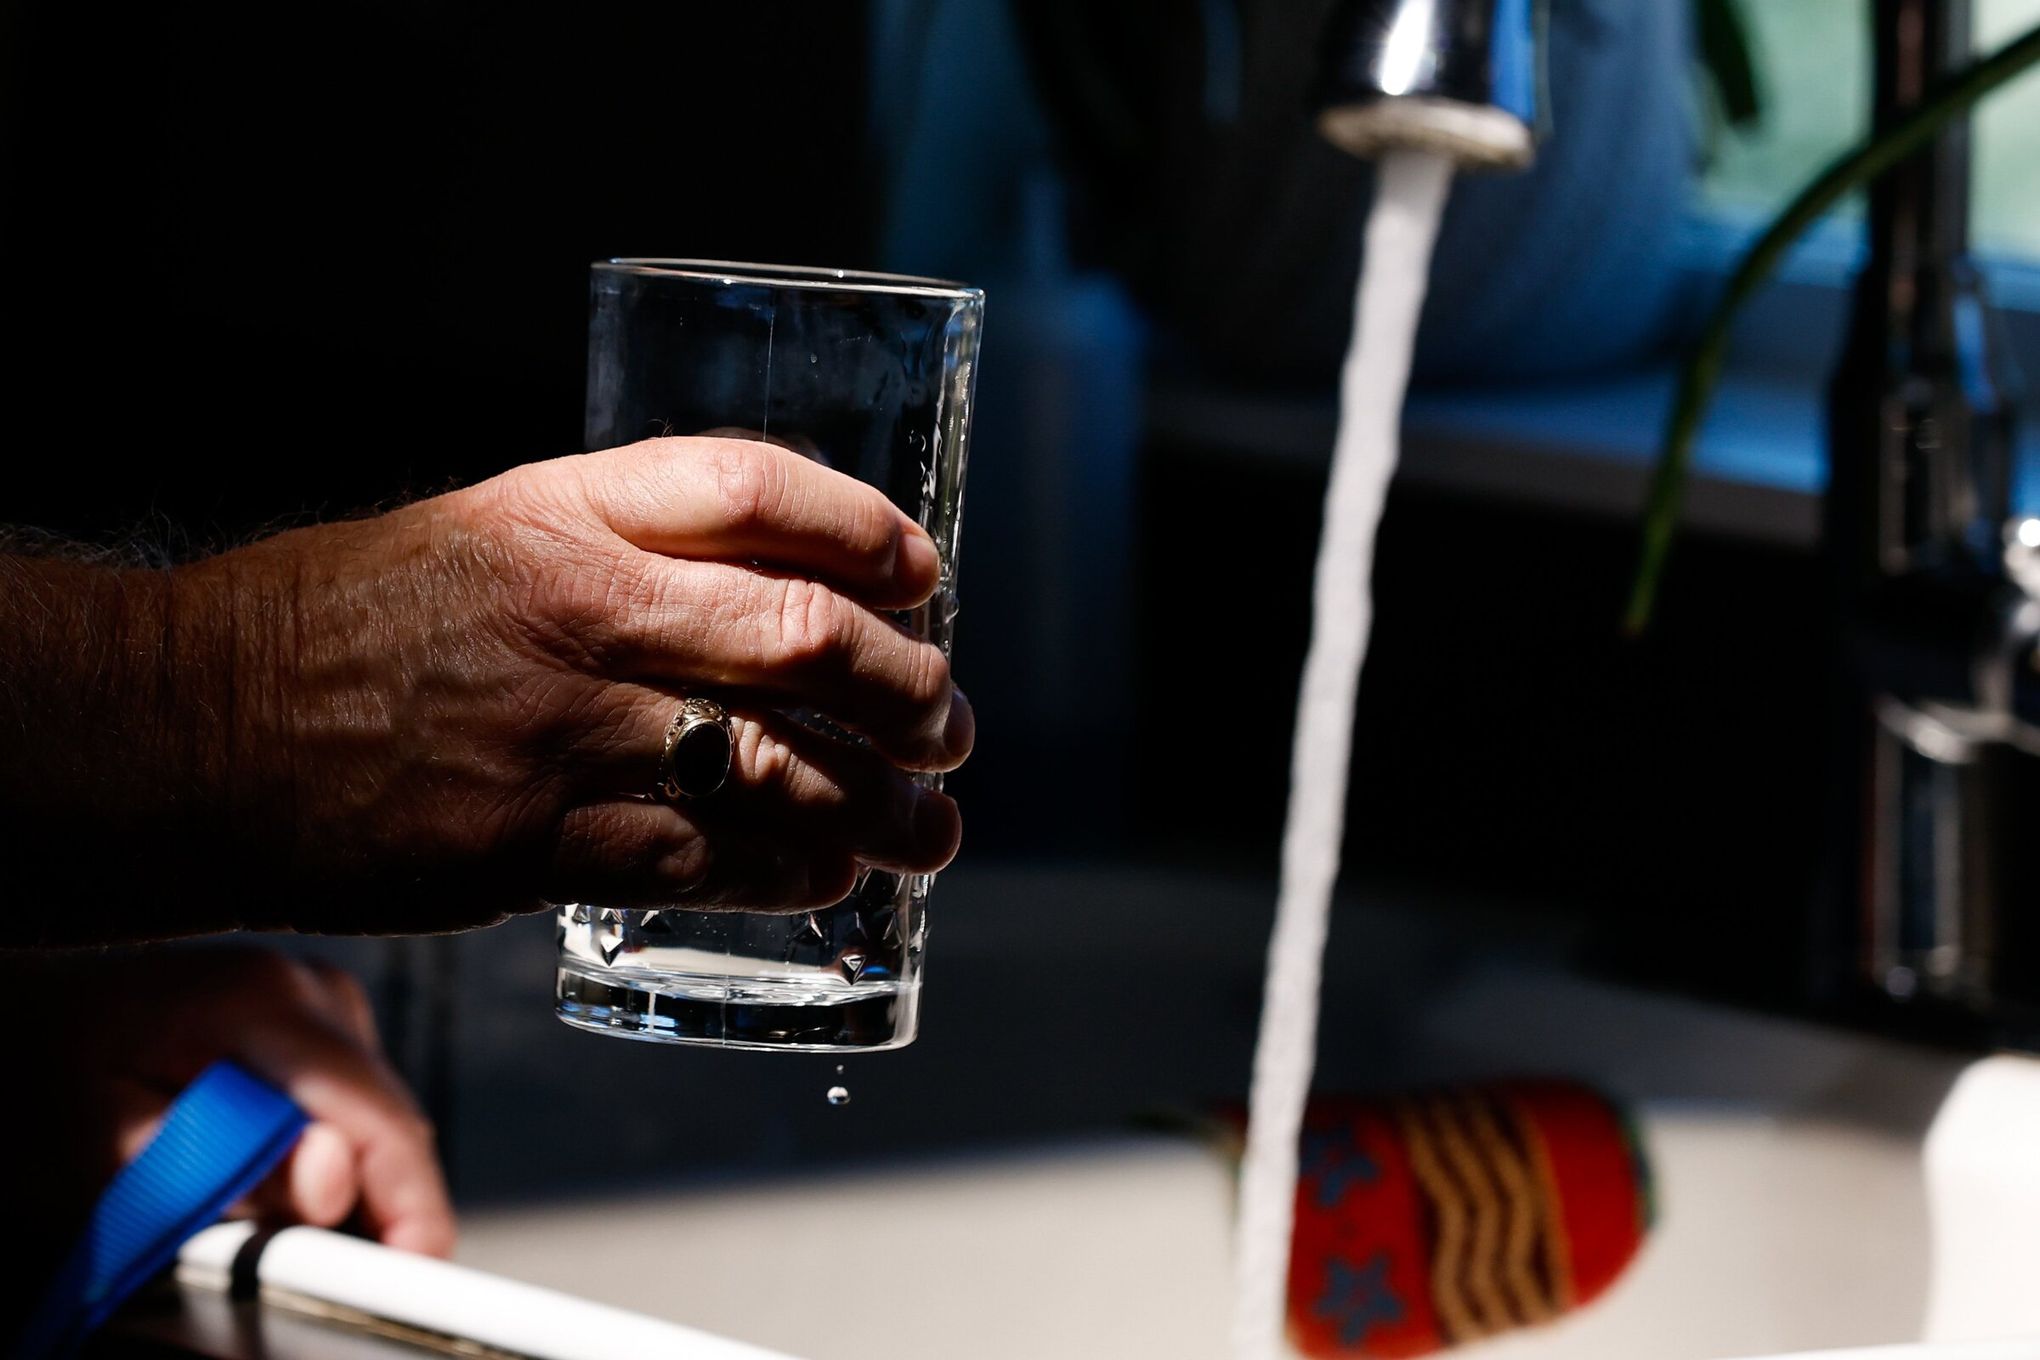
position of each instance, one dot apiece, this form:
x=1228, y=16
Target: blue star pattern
x=1358, y=1299
x=1333, y=1162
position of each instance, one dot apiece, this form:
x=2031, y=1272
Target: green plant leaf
x=1725, y=53
x=1948, y=98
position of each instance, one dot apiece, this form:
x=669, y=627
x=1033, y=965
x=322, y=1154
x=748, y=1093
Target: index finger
x=341, y=1084
x=745, y=500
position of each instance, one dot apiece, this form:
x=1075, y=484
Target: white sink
x=1793, y=1211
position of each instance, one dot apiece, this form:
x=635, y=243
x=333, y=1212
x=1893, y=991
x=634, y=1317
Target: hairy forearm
x=129, y=700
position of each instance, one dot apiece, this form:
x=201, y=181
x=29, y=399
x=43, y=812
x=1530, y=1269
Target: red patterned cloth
x=1434, y=1219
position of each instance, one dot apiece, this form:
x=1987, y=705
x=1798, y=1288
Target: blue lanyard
x=225, y=1133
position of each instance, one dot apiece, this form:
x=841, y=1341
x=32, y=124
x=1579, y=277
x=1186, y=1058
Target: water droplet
x=839, y=1069
x=839, y=1095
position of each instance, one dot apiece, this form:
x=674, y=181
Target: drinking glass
x=870, y=374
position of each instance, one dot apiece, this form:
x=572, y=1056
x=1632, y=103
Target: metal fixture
x=1937, y=591
x=1458, y=77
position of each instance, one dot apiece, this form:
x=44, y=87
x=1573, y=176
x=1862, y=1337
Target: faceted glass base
x=711, y=1012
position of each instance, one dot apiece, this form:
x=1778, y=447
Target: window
x=1813, y=63
x=1813, y=60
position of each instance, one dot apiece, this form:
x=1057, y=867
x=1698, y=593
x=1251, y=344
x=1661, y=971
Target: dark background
x=261, y=264
x=259, y=268
x=265, y=261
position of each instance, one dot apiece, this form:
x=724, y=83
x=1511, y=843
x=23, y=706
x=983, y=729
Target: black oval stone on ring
x=696, y=758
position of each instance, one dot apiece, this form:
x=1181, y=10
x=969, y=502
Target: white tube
x=451, y=1300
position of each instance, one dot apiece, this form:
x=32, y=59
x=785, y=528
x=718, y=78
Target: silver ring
x=694, y=759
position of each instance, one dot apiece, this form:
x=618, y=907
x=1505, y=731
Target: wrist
x=226, y=656
x=81, y=741
x=140, y=747
x=76, y=683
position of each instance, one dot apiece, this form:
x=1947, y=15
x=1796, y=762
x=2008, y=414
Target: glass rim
x=790, y=276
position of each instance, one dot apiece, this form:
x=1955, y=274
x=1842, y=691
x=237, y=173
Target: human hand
x=113, y=1040
x=452, y=712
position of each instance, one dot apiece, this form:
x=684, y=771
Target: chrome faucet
x=1936, y=586
x=1458, y=77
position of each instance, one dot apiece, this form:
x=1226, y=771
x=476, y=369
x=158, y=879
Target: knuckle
x=554, y=578
x=813, y=628
x=278, y=977
x=549, y=498
x=302, y=999
x=750, y=484
x=686, y=867
x=338, y=983
x=767, y=762
x=928, y=676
